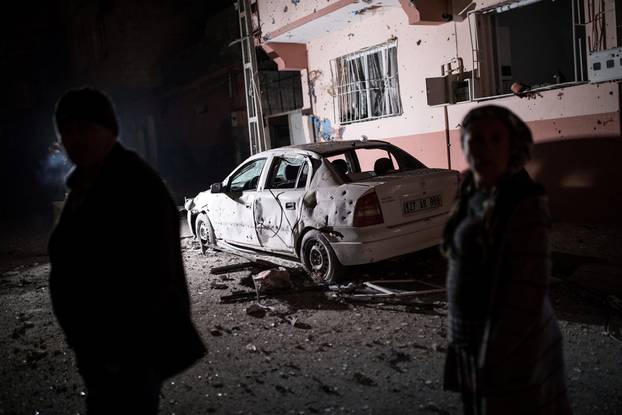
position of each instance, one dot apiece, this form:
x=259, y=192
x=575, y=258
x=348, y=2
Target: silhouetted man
x=117, y=279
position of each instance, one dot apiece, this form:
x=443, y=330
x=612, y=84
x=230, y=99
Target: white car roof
x=325, y=148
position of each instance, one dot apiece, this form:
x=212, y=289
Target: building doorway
x=279, y=131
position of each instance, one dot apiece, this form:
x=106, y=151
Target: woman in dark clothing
x=505, y=347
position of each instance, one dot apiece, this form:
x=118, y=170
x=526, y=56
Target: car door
x=235, y=217
x=278, y=205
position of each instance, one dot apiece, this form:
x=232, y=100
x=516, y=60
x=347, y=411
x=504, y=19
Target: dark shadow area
x=582, y=293
x=313, y=300
x=588, y=289
x=565, y=265
x=582, y=178
x=427, y=265
x=405, y=306
x=579, y=292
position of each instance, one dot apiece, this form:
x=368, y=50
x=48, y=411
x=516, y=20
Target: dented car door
x=278, y=205
x=235, y=205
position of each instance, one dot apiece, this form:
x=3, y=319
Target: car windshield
x=247, y=177
x=361, y=163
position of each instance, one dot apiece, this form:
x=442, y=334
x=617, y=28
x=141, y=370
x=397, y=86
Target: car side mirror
x=217, y=188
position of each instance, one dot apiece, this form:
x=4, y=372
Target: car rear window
x=361, y=163
x=368, y=157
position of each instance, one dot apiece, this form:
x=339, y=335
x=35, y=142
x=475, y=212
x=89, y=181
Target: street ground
x=311, y=352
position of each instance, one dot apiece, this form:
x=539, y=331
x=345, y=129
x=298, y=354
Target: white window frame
x=580, y=54
x=347, y=92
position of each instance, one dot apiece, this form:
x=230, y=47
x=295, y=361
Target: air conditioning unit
x=605, y=65
x=449, y=89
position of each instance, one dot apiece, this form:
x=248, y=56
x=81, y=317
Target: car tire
x=319, y=259
x=204, y=231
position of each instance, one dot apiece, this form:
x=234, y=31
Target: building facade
x=407, y=72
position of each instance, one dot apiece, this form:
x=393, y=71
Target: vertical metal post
x=447, y=136
x=574, y=39
x=386, y=82
x=367, y=83
x=256, y=133
x=581, y=58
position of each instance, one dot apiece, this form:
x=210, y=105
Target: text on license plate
x=415, y=205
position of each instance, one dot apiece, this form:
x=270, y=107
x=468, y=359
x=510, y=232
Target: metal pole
x=257, y=139
x=574, y=40
x=581, y=58
x=447, y=138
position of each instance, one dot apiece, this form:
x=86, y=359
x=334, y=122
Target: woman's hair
x=521, y=140
x=86, y=104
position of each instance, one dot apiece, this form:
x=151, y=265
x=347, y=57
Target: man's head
x=86, y=125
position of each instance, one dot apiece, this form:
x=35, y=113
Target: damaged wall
x=573, y=112
x=275, y=14
x=555, y=114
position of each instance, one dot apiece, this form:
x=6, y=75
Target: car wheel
x=204, y=231
x=319, y=259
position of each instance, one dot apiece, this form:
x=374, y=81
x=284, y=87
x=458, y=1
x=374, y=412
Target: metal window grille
x=366, y=84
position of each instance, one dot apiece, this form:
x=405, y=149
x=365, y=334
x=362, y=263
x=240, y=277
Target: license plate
x=412, y=206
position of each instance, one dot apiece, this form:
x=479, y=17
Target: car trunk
x=414, y=195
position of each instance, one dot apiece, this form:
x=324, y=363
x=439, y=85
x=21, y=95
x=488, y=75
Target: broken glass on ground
x=404, y=291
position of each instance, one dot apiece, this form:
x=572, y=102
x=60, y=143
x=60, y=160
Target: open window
x=536, y=44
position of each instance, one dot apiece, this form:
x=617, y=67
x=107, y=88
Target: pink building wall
x=571, y=113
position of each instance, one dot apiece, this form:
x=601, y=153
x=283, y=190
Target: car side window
x=286, y=173
x=247, y=178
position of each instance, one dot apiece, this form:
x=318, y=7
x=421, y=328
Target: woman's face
x=487, y=150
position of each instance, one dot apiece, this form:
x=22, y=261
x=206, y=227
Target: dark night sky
x=37, y=64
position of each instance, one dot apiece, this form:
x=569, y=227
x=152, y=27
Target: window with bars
x=366, y=84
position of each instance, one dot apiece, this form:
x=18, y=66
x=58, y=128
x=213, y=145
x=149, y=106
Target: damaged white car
x=327, y=205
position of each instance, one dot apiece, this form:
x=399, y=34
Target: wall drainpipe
x=447, y=138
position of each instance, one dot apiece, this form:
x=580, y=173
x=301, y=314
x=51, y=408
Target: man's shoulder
x=127, y=161
x=136, y=173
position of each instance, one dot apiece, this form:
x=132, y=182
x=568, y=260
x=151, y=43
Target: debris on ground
x=251, y=348
x=242, y=296
x=296, y=323
x=404, y=291
x=224, y=269
x=218, y=285
x=272, y=279
x=256, y=310
x=364, y=380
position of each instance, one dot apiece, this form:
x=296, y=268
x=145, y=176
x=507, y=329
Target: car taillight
x=367, y=211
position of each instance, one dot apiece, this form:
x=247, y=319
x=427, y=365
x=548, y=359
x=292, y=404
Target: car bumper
x=376, y=243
